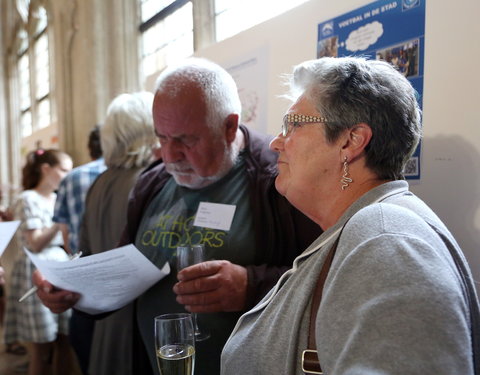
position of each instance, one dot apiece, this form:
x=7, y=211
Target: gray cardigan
x=393, y=302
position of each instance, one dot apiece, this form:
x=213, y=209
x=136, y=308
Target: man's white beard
x=177, y=170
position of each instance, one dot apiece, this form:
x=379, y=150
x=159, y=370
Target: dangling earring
x=345, y=179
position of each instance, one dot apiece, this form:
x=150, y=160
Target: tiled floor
x=10, y=364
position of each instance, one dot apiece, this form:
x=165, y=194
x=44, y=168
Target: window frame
x=161, y=15
x=33, y=35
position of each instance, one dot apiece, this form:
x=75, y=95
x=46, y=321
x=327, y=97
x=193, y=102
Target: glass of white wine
x=175, y=344
x=188, y=256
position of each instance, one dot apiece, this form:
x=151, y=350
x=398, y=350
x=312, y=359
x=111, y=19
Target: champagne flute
x=175, y=344
x=188, y=256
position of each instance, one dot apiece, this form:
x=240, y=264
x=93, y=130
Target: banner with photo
x=393, y=31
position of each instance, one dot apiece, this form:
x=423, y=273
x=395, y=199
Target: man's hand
x=57, y=300
x=212, y=287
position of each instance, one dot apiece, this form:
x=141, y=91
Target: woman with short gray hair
x=385, y=289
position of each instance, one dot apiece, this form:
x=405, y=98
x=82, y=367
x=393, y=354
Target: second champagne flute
x=188, y=256
x=175, y=344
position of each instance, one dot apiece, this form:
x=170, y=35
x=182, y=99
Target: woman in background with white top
x=30, y=321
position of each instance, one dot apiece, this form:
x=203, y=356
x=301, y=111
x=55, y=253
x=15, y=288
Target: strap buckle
x=310, y=363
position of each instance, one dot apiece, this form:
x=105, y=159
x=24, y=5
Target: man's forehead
x=176, y=130
x=181, y=117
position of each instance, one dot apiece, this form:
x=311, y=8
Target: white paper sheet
x=106, y=281
x=7, y=230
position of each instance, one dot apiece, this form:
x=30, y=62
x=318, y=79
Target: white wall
x=450, y=181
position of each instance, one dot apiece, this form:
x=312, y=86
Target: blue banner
x=393, y=31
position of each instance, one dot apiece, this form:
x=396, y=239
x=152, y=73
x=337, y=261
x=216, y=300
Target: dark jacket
x=280, y=229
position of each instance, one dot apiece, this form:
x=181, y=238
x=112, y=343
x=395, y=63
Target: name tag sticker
x=214, y=215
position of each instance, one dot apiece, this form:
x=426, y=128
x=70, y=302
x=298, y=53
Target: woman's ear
x=356, y=139
x=44, y=168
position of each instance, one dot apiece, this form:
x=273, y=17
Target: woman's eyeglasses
x=294, y=120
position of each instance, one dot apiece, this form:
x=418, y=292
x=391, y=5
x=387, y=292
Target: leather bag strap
x=310, y=362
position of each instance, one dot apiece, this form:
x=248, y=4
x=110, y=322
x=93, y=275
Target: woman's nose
x=276, y=144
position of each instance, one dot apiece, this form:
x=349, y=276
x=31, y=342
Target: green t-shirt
x=168, y=222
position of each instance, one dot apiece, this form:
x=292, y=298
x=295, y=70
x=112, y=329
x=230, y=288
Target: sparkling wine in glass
x=175, y=344
x=188, y=256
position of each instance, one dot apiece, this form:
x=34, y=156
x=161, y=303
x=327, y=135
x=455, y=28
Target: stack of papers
x=106, y=281
x=7, y=230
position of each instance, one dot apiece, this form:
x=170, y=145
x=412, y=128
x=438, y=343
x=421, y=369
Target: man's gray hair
x=352, y=90
x=220, y=91
x=127, y=135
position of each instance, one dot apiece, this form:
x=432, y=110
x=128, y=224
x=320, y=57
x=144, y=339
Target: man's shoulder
x=152, y=177
x=95, y=166
x=153, y=171
x=79, y=179
x=258, y=146
x=90, y=170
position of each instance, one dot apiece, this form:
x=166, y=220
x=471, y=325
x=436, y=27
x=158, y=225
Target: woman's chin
x=280, y=186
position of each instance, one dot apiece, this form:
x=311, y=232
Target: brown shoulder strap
x=310, y=362
x=317, y=294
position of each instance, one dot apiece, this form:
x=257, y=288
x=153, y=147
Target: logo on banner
x=327, y=29
x=409, y=4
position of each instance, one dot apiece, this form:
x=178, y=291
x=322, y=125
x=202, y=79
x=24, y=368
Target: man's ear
x=231, y=126
x=356, y=139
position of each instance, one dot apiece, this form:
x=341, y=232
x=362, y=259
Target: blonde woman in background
x=128, y=140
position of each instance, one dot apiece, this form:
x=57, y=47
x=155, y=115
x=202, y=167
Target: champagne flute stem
x=199, y=335
x=195, y=324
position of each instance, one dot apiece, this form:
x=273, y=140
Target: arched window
x=234, y=16
x=173, y=29
x=166, y=33
x=33, y=67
